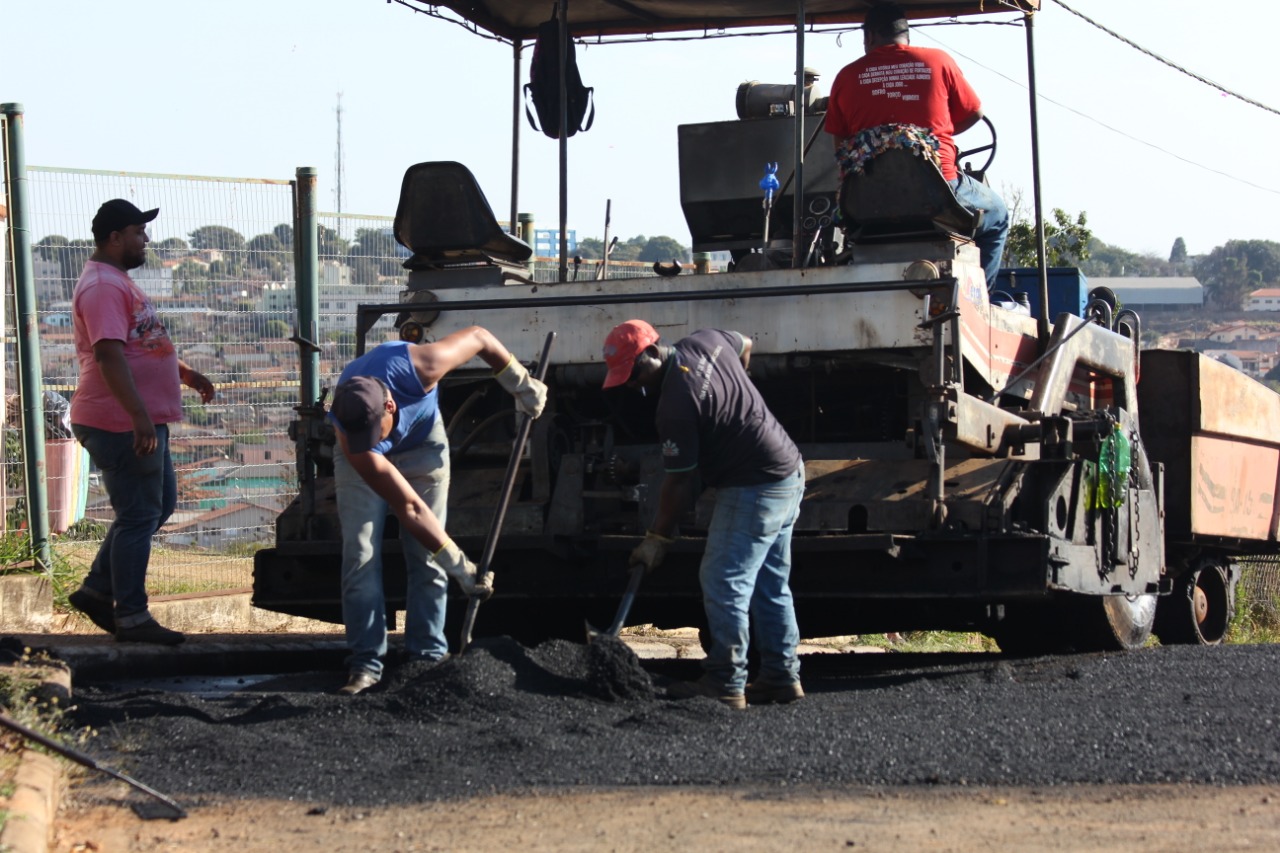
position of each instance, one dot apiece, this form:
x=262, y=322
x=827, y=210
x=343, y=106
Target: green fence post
x=30, y=375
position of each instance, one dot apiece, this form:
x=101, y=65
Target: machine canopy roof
x=519, y=19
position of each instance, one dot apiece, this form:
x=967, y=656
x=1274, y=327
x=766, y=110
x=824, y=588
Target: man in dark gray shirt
x=713, y=422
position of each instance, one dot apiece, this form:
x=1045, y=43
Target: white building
x=1266, y=299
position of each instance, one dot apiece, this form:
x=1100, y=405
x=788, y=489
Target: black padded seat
x=445, y=220
x=901, y=196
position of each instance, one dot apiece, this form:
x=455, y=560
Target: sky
x=248, y=88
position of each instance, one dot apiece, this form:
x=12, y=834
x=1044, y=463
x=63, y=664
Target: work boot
x=764, y=693
x=150, y=631
x=359, y=681
x=703, y=687
x=99, y=610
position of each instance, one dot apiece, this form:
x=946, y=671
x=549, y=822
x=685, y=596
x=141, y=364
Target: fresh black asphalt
x=505, y=718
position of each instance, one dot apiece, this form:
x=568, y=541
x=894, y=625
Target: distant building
x=157, y=283
x=337, y=305
x=1266, y=299
x=546, y=242
x=1157, y=293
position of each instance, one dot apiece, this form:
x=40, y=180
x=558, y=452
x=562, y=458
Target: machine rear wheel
x=1198, y=610
x=1116, y=623
x=1080, y=623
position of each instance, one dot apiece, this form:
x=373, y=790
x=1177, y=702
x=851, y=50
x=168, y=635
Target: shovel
x=176, y=812
x=508, y=483
x=624, y=606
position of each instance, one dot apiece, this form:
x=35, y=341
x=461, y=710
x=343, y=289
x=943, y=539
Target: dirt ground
x=1132, y=819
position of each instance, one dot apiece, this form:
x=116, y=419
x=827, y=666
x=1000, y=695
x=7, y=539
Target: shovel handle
x=628, y=598
x=500, y=513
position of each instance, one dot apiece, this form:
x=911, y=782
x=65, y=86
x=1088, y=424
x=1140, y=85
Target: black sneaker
x=150, y=631
x=99, y=610
x=767, y=694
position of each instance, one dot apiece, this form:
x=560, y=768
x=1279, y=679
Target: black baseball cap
x=358, y=406
x=117, y=215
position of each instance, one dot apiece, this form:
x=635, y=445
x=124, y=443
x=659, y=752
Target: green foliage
x=284, y=233
x=1255, y=620
x=662, y=249
x=86, y=530
x=170, y=248
x=591, y=248
x=329, y=244
x=1066, y=242
x=1232, y=271
x=1178, y=254
x=218, y=237
x=70, y=255
x=1107, y=261
x=276, y=329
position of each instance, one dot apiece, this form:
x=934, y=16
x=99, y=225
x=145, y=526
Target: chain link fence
x=221, y=273
x=1259, y=588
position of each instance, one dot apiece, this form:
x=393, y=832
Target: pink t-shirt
x=107, y=305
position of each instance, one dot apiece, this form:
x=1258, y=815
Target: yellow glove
x=650, y=552
x=530, y=394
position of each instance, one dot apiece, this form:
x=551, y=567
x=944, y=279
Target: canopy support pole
x=797, y=208
x=516, y=47
x=1042, y=322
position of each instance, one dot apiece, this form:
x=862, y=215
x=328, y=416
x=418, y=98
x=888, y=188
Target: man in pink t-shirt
x=897, y=84
x=130, y=390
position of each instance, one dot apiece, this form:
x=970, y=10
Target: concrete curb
x=37, y=792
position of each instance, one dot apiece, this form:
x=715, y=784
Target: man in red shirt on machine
x=896, y=84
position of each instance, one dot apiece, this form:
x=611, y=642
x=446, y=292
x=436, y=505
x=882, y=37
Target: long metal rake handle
x=508, y=484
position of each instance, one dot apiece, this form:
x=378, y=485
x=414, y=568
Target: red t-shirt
x=901, y=84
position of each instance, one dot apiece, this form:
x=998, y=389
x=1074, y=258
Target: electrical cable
x=1103, y=124
x=1175, y=66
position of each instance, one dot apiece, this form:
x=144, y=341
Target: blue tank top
x=416, y=408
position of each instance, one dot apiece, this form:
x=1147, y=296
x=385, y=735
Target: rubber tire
x=1077, y=623
x=1178, y=621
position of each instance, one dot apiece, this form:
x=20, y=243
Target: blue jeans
x=746, y=569
x=143, y=493
x=994, y=230
x=363, y=517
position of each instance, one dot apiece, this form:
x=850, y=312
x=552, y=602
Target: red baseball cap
x=624, y=343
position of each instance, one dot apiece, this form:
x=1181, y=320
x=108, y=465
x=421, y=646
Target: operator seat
x=899, y=196
x=446, y=221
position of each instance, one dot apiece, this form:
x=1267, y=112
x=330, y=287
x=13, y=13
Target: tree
x=284, y=233
x=1066, y=242
x=662, y=249
x=70, y=255
x=1107, y=261
x=218, y=237
x=1178, y=254
x=1232, y=271
x=590, y=248
x=629, y=250
x=373, y=243
x=170, y=248
x=363, y=270
x=266, y=252
x=329, y=243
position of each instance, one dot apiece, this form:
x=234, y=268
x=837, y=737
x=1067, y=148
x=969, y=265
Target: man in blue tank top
x=713, y=422
x=395, y=459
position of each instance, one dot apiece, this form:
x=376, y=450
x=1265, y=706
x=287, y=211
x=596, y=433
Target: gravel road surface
x=505, y=719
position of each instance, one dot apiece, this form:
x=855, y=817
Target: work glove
x=650, y=552
x=530, y=394
x=457, y=566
